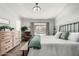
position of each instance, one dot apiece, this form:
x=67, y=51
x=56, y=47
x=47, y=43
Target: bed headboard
x=71, y=27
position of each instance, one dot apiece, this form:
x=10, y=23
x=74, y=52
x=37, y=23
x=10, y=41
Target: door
x=40, y=28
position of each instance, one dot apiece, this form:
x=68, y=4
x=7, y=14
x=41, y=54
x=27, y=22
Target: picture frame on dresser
x=4, y=21
x=4, y=24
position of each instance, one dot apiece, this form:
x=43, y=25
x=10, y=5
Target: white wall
x=7, y=13
x=69, y=14
x=27, y=22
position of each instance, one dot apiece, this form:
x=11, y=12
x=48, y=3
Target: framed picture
x=4, y=21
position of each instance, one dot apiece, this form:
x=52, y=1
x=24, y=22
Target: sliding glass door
x=40, y=28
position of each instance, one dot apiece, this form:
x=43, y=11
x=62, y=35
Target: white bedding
x=53, y=40
x=51, y=46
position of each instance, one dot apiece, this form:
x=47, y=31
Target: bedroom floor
x=15, y=51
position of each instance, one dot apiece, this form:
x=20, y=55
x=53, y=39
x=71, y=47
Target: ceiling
x=48, y=10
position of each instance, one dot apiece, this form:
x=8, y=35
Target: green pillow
x=65, y=35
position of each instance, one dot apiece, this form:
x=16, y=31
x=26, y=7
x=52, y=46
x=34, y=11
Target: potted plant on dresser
x=6, y=28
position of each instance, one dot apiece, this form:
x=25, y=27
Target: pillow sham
x=74, y=37
x=65, y=35
x=58, y=34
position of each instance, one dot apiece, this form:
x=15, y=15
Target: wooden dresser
x=8, y=40
x=16, y=38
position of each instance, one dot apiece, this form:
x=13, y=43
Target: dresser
x=8, y=40
x=16, y=38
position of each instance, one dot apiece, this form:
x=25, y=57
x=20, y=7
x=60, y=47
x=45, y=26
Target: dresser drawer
x=5, y=35
x=6, y=43
x=16, y=43
x=16, y=32
x=17, y=36
x=6, y=49
x=17, y=40
x=5, y=38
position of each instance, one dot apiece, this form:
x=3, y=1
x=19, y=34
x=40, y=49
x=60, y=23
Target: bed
x=51, y=46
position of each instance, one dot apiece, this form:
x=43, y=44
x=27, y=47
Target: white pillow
x=74, y=36
x=57, y=35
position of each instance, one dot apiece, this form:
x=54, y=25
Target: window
x=40, y=28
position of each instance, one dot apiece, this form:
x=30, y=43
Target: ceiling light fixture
x=36, y=8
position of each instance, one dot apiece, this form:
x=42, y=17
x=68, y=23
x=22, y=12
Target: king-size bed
x=53, y=46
